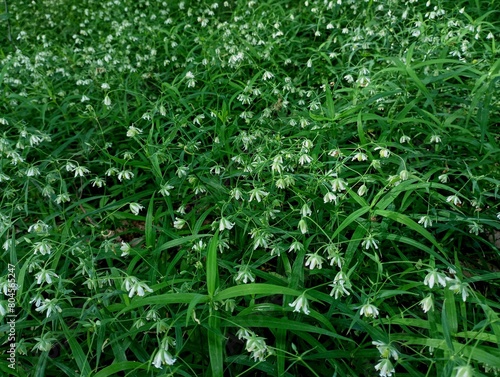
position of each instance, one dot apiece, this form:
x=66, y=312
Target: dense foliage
x=250, y=188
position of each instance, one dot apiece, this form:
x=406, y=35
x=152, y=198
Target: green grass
x=280, y=188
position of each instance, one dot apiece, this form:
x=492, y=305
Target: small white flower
x=80, y=171
x=330, y=197
x=45, y=276
x=107, y=101
x=314, y=260
x=404, y=139
x=305, y=159
x=244, y=275
x=464, y=371
x=404, y=174
x=427, y=304
x=426, y=221
x=295, y=246
x=125, y=249
x=385, y=368
x=125, y=174
x=267, y=76
x=338, y=184
x=225, y=224
x=135, y=208
x=305, y=210
x=461, y=288
x=49, y=306
x=386, y=350
x=133, y=286
x=435, y=139
x=443, y=178
x=454, y=199
x=362, y=190
x=360, y=156
x=133, y=131
x=162, y=355
x=435, y=277
x=179, y=223
x=303, y=226
x=43, y=247
x=383, y=152
x=257, y=194
x=370, y=241
x=165, y=189
x=369, y=310
x=300, y=304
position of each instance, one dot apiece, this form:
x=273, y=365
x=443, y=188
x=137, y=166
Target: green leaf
x=165, y=299
x=121, y=366
x=212, y=268
x=76, y=349
x=405, y=220
x=255, y=289
x=215, y=345
x=148, y=226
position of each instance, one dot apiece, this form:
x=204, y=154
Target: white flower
x=385, y=368
x=383, y=152
x=236, y=193
x=267, y=75
x=80, y=171
x=338, y=184
x=295, y=246
x=435, y=277
x=43, y=247
x=362, y=190
x=45, y=276
x=107, y=101
x=305, y=159
x=133, y=286
x=475, y=228
x=125, y=174
x=369, y=310
x=404, y=174
x=300, y=304
x=179, y=223
x=49, y=306
x=257, y=346
x=404, y=139
x=162, y=356
x=360, y=156
x=125, y=249
x=314, y=260
x=454, y=199
x=303, y=226
x=133, y=131
x=427, y=304
x=435, y=139
x=426, y=221
x=165, y=189
x=135, y=208
x=330, y=197
x=386, y=350
x=225, y=224
x=459, y=287
x=443, y=178
x=305, y=210
x=370, y=241
x=257, y=194
x=464, y=371
x=245, y=275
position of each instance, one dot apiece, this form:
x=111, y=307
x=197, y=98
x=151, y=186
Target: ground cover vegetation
x=250, y=188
